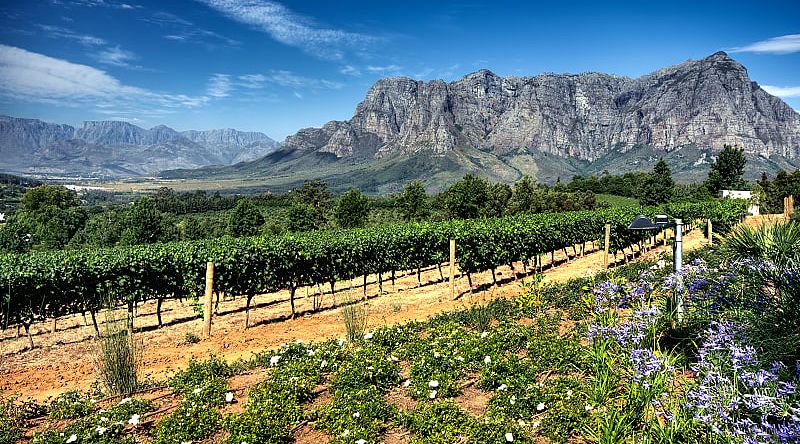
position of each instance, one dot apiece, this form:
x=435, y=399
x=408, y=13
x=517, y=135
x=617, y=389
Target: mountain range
x=120, y=149
x=548, y=126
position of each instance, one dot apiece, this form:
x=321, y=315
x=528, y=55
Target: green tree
x=302, y=217
x=245, y=219
x=499, y=197
x=523, y=196
x=467, y=198
x=49, y=195
x=192, y=229
x=352, y=210
x=413, y=202
x=144, y=224
x=727, y=170
x=315, y=194
x=658, y=186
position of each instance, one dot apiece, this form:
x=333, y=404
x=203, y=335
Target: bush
x=118, y=357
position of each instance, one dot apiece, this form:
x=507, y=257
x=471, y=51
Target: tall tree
x=727, y=170
x=413, y=202
x=352, y=210
x=245, y=219
x=499, y=196
x=144, y=224
x=315, y=194
x=658, y=186
x=49, y=195
x=466, y=198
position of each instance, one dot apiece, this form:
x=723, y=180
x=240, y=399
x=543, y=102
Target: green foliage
x=441, y=422
x=413, y=202
x=315, y=194
x=245, y=219
x=302, y=217
x=727, y=170
x=778, y=243
x=658, y=186
x=772, y=192
x=10, y=427
x=144, y=224
x=354, y=316
x=71, y=405
x=203, y=382
x=38, y=198
x=352, y=210
x=192, y=421
x=466, y=198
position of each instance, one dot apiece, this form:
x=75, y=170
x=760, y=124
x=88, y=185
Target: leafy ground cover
x=706, y=354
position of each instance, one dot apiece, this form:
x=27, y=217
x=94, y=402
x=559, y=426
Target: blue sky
x=276, y=66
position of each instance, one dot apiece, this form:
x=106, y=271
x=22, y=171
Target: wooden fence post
x=452, y=268
x=710, y=233
x=209, y=299
x=790, y=200
x=605, y=246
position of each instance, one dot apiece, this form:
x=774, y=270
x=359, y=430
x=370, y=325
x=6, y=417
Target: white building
x=752, y=208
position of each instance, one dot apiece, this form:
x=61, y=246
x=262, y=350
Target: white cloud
x=115, y=56
x=219, y=85
x=34, y=77
x=290, y=28
x=252, y=81
x=291, y=80
x=182, y=30
x=384, y=70
x=784, y=44
x=64, y=33
x=782, y=91
x=350, y=70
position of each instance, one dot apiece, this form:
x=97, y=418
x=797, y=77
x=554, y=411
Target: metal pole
x=452, y=268
x=607, y=240
x=677, y=248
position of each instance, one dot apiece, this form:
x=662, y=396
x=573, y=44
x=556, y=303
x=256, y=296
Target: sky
x=278, y=66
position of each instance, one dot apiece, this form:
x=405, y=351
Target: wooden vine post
x=452, y=268
x=710, y=233
x=209, y=299
x=605, y=246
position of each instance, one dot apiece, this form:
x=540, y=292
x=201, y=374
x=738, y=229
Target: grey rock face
x=120, y=148
x=705, y=103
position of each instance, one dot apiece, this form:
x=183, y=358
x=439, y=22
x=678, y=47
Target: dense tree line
x=770, y=193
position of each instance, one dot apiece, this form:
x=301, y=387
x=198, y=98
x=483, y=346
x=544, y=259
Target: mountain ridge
x=118, y=148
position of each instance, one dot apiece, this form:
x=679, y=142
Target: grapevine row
x=42, y=285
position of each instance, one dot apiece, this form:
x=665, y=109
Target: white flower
x=229, y=397
x=124, y=400
x=540, y=407
x=103, y=419
x=197, y=390
x=274, y=360
x=134, y=421
x=433, y=394
x=368, y=335
x=460, y=358
x=513, y=399
x=484, y=334
x=100, y=430
x=587, y=407
x=345, y=433
x=394, y=358
x=509, y=437
x=370, y=368
x=310, y=352
x=436, y=354
x=342, y=341
x=502, y=387
x=487, y=360
x=323, y=364
x=406, y=383
x=433, y=384
x=72, y=438
x=569, y=393
x=356, y=415
x=535, y=424
x=361, y=441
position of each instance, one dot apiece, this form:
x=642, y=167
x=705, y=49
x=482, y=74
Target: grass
x=118, y=356
x=617, y=201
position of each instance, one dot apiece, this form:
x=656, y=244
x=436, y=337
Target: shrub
x=192, y=421
x=71, y=405
x=354, y=315
x=117, y=357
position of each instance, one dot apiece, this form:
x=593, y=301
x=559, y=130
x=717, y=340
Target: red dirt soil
x=64, y=360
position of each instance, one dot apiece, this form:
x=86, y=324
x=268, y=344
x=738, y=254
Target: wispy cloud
x=291, y=80
x=98, y=4
x=252, y=81
x=350, y=70
x=33, y=77
x=116, y=56
x=219, y=85
x=64, y=33
x=782, y=91
x=290, y=28
x=784, y=44
x=182, y=30
x=384, y=70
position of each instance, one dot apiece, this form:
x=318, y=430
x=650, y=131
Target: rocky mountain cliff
x=115, y=148
x=706, y=103
x=548, y=126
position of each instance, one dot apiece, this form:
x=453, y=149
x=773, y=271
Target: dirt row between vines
x=64, y=360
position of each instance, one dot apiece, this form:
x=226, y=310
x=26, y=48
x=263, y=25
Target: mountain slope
x=114, y=148
x=549, y=125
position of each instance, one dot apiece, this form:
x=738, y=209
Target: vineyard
x=44, y=285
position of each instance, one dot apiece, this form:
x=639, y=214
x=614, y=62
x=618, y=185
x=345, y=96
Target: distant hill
x=547, y=126
x=120, y=149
